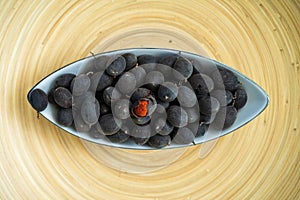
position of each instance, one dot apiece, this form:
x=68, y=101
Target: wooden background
x=259, y=161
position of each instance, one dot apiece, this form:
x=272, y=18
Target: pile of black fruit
x=149, y=99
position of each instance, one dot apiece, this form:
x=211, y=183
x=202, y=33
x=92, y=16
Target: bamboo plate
x=258, y=38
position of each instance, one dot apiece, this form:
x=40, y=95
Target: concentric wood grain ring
x=259, y=161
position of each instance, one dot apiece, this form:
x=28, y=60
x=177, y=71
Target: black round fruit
x=159, y=141
x=184, y=136
x=126, y=83
x=177, y=116
x=199, y=85
x=139, y=73
x=226, y=116
x=167, y=91
x=141, y=131
x=168, y=60
x=116, y=67
x=90, y=111
x=166, y=129
x=80, y=84
x=64, y=80
x=240, y=96
x=140, y=141
x=131, y=60
x=65, y=116
x=225, y=79
x=104, y=80
x=110, y=94
x=155, y=77
x=184, y=67
x=38, y=100
x=231, y=114
x=121, y=109
x=118, y=137
x=186, y=96
x=147, y=61
x=63, y=97
x=109, y=124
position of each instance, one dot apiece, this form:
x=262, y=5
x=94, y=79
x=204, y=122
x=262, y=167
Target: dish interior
x=256, y=103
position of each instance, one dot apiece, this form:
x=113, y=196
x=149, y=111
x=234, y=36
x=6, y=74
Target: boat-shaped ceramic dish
x=256, y=103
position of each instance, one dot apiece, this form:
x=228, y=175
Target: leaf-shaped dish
x=256, y=103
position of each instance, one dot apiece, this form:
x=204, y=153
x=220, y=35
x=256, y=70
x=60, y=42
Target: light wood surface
x=259, y=161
